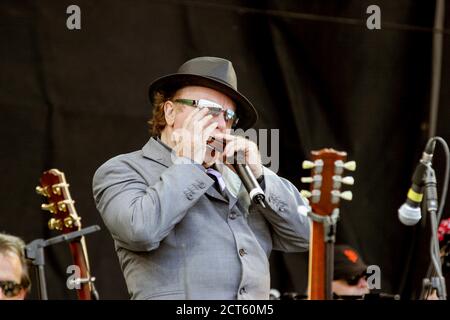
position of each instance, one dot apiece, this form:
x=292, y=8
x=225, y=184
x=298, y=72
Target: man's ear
x=169, y=112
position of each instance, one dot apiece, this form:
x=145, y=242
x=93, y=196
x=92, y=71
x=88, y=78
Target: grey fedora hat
x=214, y=73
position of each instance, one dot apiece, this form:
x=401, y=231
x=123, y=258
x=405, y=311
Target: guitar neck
x=317, y=263
x=77, y=248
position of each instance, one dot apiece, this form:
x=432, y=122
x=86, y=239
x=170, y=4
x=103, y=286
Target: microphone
x=243, y=171
x=251, y=184
x=409, y=213
x=248, y=179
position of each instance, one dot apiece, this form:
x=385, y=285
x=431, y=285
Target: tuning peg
x=68, y=222
x=350, y=165
x=339, y=166
x=62, y=206
x=308, y=164
x=315, y=196
x=306, y=193
x=336, y=195
x=307, y=179
x=49, y=207
x=56, y=188
x=316, y=179
x=55, y=224
x=346, y=195
x=72, y=220
x=317, y=165
x=348, y=180
x=42, y=191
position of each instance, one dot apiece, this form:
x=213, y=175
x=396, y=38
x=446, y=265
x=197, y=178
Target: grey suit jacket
x=177, y=237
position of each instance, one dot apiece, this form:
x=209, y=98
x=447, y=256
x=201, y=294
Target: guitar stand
x=329, y=227
x=34, y=251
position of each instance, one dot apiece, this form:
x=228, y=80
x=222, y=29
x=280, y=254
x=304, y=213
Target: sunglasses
x=215, y=109
x=353, y=281
x=10, y=288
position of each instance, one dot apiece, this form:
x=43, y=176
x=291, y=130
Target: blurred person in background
x=14, y=280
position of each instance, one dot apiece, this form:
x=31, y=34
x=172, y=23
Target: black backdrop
x=73, y=99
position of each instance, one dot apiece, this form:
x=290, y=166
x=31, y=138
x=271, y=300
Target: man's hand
x=190, y=139
x=237, y=144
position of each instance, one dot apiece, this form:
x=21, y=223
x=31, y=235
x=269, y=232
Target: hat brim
x=245, y=110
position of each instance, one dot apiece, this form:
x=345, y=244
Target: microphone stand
x=437, y=281
x=34, y=251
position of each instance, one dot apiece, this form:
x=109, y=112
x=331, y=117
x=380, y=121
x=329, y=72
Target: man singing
x=182, y=222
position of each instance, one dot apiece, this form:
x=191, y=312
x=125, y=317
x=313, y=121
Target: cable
x=446, y=174
x=435, y=267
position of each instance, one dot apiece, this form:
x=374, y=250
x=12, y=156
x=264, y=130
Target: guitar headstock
x=54, y=187
x=327, y=168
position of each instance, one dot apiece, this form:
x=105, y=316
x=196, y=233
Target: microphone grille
x=408, y=215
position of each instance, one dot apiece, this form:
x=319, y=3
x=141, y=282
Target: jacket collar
x=155, y=151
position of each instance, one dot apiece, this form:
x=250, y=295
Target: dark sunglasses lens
x=10, y=289
x=354, y=280
x=230, y=115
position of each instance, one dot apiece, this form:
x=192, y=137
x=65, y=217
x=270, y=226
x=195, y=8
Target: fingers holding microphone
x=246, y=151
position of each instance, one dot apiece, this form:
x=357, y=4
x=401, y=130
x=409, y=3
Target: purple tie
x=218, y=177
